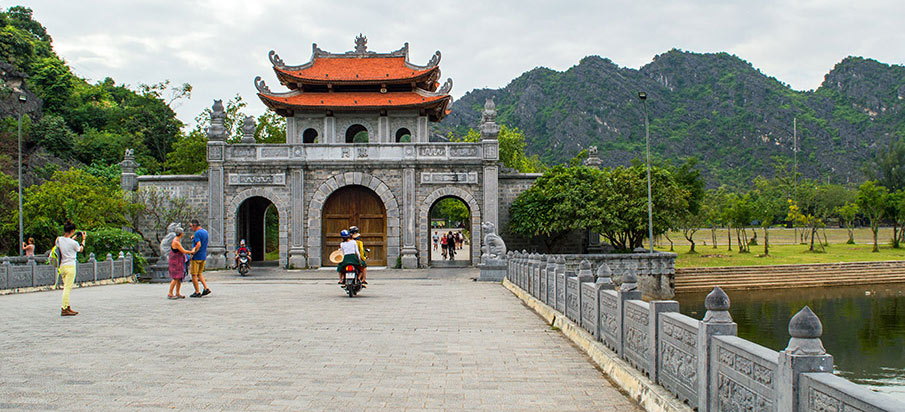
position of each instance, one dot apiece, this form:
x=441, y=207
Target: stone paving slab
x=413, y=341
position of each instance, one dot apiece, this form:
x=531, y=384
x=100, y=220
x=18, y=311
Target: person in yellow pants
x=69, y=249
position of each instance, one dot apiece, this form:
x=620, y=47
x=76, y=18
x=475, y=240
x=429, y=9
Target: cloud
x=220, y=46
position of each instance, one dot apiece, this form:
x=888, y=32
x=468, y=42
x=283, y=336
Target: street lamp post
x=22, y=100
x=650, y=209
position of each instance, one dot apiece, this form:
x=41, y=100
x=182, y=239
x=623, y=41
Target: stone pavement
x=290, y=340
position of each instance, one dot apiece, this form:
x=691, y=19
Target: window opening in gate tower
x=309, y=136
x=357, y=133
x=450, y=216
x=258, y=222
x=403, y=135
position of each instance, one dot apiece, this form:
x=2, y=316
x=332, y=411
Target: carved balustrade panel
x=45, y=275
x=542, y=285
x=572, y=309
x=19, y=276
x=589, y=307
x=84, y=272
x=104, y=270
x=551, y=288
x=636, y=335
x=678, y=363
x=825, y=392
x=609, y=319
x=561, y=292
x=744, y=375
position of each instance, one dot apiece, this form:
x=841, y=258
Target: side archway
x=424, y=224
x=327, y=188
x=281, y=202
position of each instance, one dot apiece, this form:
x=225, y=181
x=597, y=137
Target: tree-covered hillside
x=716, y=107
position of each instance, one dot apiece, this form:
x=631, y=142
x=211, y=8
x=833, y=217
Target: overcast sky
x=220, y=46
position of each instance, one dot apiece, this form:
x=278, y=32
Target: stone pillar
x=656, y=308
x=559, y=269
x=128, y=179
x=4, y=273
x=602, y=283
x=92, y=260
x=717, y=321
x=422, y=132
x=297, y=256
x=805, y=353
x=34, y=272
x=629, y=290
x=383, y=130
x=216, y=154
x=329, y=129
x=129, y=270
x=121, y=258
x=292, y=132
x=409, y=251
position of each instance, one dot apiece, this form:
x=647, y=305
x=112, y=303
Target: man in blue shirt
x=196, y=268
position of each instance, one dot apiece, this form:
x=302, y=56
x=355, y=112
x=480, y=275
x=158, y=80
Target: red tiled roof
x=355, y=100
x=356, y=69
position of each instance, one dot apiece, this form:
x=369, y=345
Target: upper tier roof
x=359, y=66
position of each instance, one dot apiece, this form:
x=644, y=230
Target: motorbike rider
x=356, y=236
x=242, y=249
x=350, y=253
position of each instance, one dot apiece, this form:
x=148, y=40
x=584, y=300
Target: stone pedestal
x=492, y=271
x=159, y=272
x=409, y=258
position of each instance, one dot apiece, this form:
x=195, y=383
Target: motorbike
x=351, y=279
x=244, y=264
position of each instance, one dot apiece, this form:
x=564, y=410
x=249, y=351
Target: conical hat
x=336, y=256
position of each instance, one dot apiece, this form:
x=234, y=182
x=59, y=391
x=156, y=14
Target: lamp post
x=22, y=100
x=650, y=209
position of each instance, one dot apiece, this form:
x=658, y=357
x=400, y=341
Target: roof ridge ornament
x=275, y=59
x=361, y=44
x=265, y=90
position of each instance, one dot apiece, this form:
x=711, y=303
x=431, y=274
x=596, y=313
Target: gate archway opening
x=258, y=222
x=355, y=205
x=450, y=216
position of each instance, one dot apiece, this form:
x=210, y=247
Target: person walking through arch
x=451, y=245
x=196, y=267
x=443, y=245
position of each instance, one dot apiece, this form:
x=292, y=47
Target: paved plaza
x=414, y=341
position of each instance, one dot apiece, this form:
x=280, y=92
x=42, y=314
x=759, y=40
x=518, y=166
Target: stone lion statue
x=494, y=248
x=167, y=240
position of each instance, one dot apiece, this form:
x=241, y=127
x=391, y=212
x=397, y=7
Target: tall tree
x=872, y=202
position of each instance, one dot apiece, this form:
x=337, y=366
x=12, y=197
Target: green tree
x=149, y=212
x=888, y=165
x=847, y=213
x=872, y=202
x=623, y=219
x=451, y=210
x=73, y=195
x=895, y=212
x=740, y=214
x=189, y=155
x=562, y=200
x=270, y=128
x=693, y=217
x=9, y=216
x=512, y=149
x=767, y=206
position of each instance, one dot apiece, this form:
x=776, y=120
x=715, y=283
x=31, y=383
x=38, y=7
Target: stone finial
x=91, y=256
x=109, y=256
x=217, y=132
x=593, y=159
x=717, y=305
x=248, y=130
x=551, y=262
x=489, y=129
x=604, y=271
x=121, y=255
x=629, y=281
x=805, y=330
x=560, y=265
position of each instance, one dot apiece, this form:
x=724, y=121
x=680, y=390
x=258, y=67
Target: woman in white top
x=69, y=250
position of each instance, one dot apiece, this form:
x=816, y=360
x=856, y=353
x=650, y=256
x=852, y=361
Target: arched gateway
x=324, y=178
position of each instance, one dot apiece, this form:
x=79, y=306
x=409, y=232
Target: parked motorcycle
x=244, y=264
x=351, y=279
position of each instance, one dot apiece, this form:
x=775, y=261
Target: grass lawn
x=781, y=255
x=272, y=255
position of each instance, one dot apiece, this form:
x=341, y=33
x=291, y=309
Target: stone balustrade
x=35, y=274
x=443, y=152
x=701, y=362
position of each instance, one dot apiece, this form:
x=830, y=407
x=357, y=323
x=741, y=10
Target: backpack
x=54, y=258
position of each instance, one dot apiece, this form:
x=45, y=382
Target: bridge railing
x=33, y=273
x=701, y=362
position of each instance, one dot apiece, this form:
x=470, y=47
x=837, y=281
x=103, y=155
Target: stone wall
x=511, y=186
x=701, y=362
x=32, y=274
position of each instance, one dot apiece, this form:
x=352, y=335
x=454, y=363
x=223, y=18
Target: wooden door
x=355, y=206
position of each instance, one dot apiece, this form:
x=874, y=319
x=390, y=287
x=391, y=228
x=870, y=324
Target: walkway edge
x=651, y=396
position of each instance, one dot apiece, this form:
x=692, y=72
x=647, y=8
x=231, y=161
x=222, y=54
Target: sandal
x=180, y=296
x=171, y=297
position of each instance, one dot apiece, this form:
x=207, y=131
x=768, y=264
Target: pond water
x=863, y=327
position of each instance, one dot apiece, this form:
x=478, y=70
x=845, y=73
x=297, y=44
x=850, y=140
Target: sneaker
x=364, y=283
x=67, y=312
x=206, y=292
x=195, y=295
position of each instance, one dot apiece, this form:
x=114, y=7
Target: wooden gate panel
x=355, y=206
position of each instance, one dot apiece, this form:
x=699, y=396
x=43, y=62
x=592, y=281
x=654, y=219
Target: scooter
x=243, y=265
x=351, y=279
